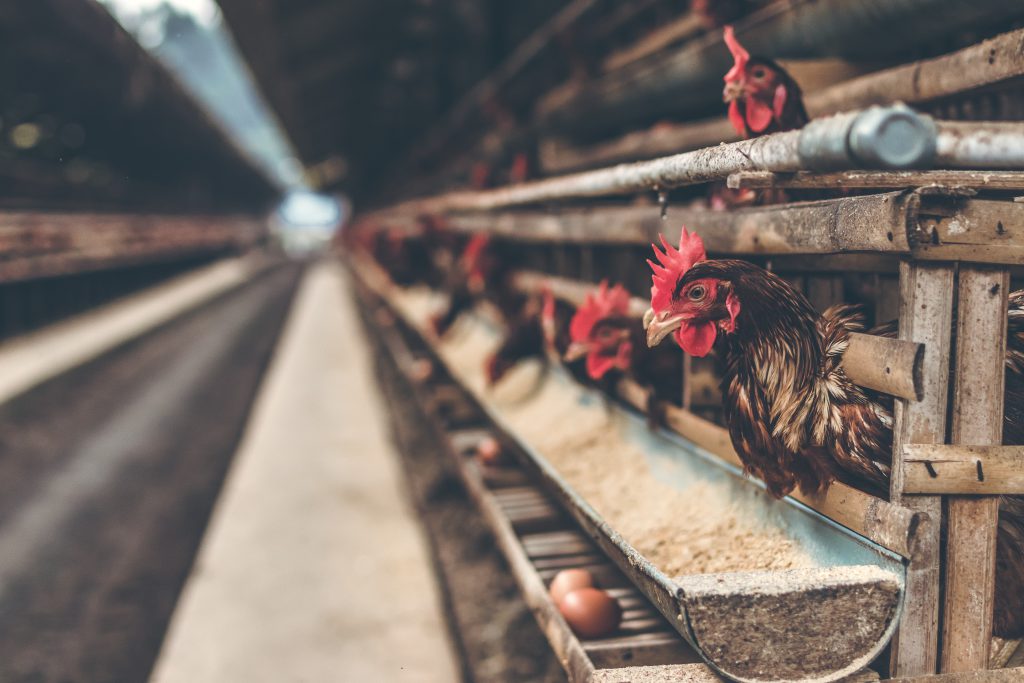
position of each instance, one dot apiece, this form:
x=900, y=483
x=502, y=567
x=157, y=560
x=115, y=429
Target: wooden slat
x=928, y=227
x=977, y=419
x=963, y=470
x=987, y=180
x=926, y=317
x=644, y=649
x=975, y=230
x=39, y=244
x=874, y=223
x=1015, y=675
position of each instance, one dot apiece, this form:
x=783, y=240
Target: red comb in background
x=547, y=311
x=672, y=264
x=474, y=248
x=739, y=54
x=598, y=305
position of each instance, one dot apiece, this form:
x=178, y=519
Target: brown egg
x=591, y=613
x=567, y=581
x=488, y=450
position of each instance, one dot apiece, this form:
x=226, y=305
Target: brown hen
x=794, y=417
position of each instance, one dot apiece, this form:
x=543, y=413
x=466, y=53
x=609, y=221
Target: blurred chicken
x=762, y=97
x=794, y=417
x=612, y=343
x=466, y=282
x=540, y=331
x=523, y=341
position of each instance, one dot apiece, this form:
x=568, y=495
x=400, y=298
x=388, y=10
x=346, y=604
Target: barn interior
x=580, y=341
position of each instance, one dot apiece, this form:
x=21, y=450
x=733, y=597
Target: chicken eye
x=759, y=72
x=696, y=293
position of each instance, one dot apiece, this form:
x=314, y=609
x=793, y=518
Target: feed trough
x=763, y=589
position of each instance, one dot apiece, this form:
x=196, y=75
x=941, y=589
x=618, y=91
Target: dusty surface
x=313, y=568
x=682, y=531
x=107, y=477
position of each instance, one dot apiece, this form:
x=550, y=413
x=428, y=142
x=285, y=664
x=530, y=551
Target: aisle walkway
x=313, y=568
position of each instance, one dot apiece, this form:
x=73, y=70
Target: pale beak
x=576, y=351
x=733, y=91
x=660, y=326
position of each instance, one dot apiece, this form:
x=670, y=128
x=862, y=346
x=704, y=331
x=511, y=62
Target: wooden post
x=977, y=420
x=587, y=264
x=824, y=291
x=887, y=299
x=926, y=316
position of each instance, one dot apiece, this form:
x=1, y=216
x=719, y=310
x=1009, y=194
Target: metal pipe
x=973, y=145
x=891, y=138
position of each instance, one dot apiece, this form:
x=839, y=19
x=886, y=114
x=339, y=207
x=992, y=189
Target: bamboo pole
x=977, y=420
x=926, y=316
x=845, y=141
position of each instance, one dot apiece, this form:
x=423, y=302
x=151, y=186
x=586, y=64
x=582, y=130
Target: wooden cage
x=935, y=248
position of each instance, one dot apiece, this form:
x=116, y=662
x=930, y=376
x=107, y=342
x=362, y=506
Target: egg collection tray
x=826, y=622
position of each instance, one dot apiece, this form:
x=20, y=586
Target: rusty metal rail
x=40, y=244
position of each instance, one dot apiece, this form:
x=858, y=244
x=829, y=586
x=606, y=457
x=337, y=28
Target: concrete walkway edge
x=313, y=567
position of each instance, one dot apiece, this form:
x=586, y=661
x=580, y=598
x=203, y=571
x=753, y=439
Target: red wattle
x=736, y=118
x=598, y=365
x=759, y=115
x=779, y=101
x=697, y=339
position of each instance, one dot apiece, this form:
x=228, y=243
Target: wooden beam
x=37, y=244
x=963, y=470
x=929, y=227
x=1014, y=675
x=985, y=180
x=977, y=420
x=674, y=31
x=986, y=63
x=875, y=223
x=976, y=230
x=926, y=317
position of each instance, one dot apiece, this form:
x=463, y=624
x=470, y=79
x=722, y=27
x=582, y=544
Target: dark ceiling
x=356, y=82
x=90, y=119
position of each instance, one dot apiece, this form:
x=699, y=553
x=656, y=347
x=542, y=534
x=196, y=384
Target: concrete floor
x=313, y=567
x=38, y=356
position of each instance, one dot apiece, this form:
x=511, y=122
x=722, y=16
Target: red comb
x=739, y=54
x=598, y=306
x=672, y=265
x=473, y=251
x=547, y=311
